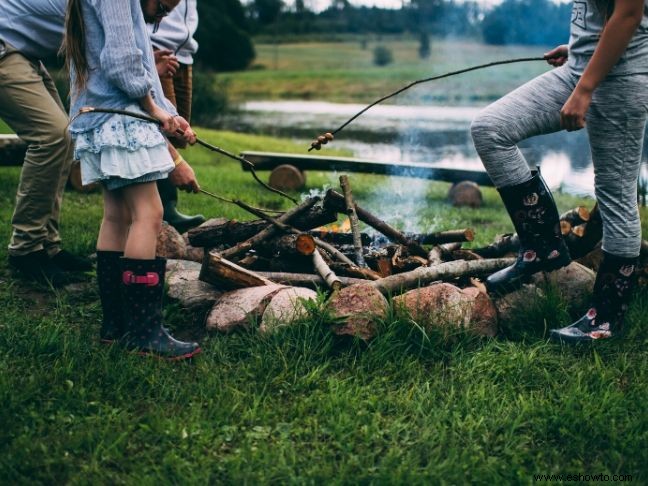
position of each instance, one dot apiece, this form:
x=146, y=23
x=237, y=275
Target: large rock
x=240, y=308
x=444, y=304
x=358, y=307
x=193, y=253
x=286, y=306
x=170, y=243
x=575, y=282
x=511, y=307
x=192, y=294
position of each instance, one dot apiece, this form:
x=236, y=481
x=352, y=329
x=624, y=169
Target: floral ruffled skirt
x=123, y=151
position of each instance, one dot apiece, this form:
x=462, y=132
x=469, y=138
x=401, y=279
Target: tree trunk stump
x=287, y=177
x=465, y=193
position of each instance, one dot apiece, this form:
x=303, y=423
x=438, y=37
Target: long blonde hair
x=74, y=43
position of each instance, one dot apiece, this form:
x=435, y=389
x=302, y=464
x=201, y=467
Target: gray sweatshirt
x=177, y=30
x=586, y=27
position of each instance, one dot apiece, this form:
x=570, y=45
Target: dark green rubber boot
x=169, y=196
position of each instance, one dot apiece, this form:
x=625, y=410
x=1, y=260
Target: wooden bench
x=289, y=168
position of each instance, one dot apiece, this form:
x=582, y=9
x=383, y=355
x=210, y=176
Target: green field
x=344, y=72
x=302, y=406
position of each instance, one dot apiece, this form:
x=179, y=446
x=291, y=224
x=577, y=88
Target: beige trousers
x=31, y=106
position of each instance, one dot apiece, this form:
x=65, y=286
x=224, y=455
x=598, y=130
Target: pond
x=403, y=133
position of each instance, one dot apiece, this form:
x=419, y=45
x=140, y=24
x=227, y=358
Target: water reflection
x=432, y=134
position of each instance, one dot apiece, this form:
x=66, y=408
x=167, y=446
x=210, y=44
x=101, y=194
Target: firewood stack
x=305, y=247
x=302, y=247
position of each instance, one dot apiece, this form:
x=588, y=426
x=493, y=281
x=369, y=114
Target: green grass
x=303, y=406
x=344, y=72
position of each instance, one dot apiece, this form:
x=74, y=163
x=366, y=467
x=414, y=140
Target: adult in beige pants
x=31, y=106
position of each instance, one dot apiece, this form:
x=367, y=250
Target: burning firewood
x=353, y=218
x=335, y=201
x=269, y=231
x=223, y=232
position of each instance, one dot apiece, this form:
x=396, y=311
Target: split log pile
x=267, y=267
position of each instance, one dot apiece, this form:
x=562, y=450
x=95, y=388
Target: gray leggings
x=615, y=125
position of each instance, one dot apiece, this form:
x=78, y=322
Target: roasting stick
x=353, y=218
x=91, y=109
x=329, y=136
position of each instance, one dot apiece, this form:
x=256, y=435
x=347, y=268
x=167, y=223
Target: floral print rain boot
x=142, y=293
x=615, y=281
x=536, y=220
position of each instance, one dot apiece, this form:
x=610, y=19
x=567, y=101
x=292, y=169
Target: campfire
x=256, y=264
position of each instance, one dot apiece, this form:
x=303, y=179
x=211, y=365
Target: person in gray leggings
x=600, y=83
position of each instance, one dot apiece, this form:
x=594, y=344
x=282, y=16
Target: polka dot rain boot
x=142, y=293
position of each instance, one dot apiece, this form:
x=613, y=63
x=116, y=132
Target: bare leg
x=143, y=202
x=115, y=223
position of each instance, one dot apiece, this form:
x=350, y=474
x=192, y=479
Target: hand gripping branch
x=90, y=109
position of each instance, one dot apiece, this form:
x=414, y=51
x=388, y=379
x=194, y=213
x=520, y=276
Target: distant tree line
x=226, y=26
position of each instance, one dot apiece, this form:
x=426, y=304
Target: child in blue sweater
x=112, y=66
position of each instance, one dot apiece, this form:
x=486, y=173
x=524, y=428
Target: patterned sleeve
x=121, y=60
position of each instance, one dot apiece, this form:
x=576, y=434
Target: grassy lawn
x=303, y=406
x=344, y=72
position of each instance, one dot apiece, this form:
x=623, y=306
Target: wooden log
x=75, y=180
x=269, y=231
x=465, y=194
x=12, y=150
x=324, y=271
x=232, y=232
x=287, y=177
x=442, y=237
x=335, y=201
x=565, y=227
x=584, y=238
x=503, y=244
x=288, y=246
x=576, y=216
x=441, y=253
x=289, y=229
x=339, y=237
x=445, y=271
x=227, y=275
x=355, y=271
x=464, y=254
x=305, y=279
x=353, y=218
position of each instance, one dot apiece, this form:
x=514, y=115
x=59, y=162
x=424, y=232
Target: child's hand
x=168, y=122
x=166, y=64
x=184, y=178
x=188, y=134
x=557, y=56
x=572, y=115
